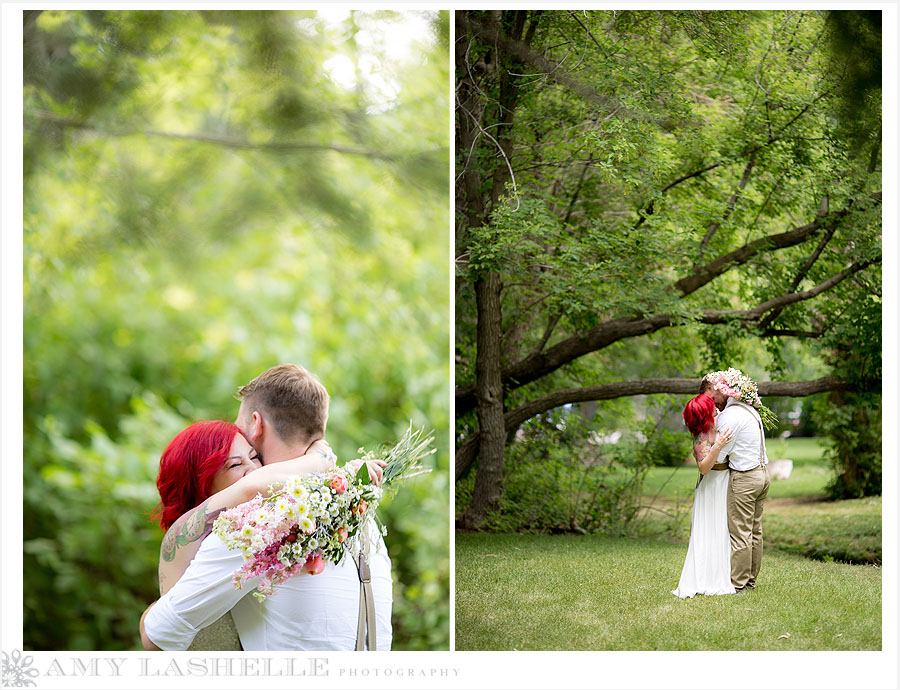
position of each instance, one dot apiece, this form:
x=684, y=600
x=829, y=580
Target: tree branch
x=577, y=191
x=539, y=364
x=729, y=207
x=648, y=210
x=587, y=31
x=804, y=270
x=783, y=332
x=468, y=450
x=742, y=255
x=715, y=317
x=229, y=142
x=526, y=54
x=548, y=331
x=793, y=297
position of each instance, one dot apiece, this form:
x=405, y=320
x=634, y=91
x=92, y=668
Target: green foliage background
x=611, y=200
x=163, y=271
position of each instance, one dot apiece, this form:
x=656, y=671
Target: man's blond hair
x=293, y=401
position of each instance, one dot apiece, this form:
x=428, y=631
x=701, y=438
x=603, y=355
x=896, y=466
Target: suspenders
x=365, y=627
x=762, y=444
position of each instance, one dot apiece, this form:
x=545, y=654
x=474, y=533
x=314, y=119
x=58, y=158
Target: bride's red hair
x=188, y=465
x=698, y=414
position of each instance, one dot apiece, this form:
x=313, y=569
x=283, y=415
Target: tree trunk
x=489, y=393
x=488, y=360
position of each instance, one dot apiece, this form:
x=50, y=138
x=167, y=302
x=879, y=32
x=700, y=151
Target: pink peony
x=342, y=534
x=359, y=508
x=339, y=483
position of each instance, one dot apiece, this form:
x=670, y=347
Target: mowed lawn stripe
x=578, y=592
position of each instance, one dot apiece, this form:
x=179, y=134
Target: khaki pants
x=747, y=492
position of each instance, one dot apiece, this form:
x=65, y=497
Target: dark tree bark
x=490, y=402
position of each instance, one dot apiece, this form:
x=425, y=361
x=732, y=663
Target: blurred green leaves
x=192, y=217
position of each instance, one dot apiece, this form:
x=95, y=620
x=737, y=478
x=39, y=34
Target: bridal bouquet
x=309, y=520
x=733, y=384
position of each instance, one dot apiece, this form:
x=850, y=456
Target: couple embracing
x=726, y=421
x=213, y=466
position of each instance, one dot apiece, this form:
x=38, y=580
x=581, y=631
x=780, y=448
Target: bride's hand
x=723, y=437
x=375, y=467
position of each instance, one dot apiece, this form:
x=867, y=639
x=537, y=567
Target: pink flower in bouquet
x=729, y=391
x=278, y=535
x=315, y=564
x=339, y=483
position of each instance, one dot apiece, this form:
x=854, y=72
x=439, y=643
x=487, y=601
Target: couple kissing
x=726, y=420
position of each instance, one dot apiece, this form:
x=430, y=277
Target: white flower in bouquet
x=732, y=383
x=310, y=520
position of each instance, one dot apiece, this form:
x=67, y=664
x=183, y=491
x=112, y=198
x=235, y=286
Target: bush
x=852, y=424
x=667, y=448
x=90, y=548
x=809, y=423
x=560, y=478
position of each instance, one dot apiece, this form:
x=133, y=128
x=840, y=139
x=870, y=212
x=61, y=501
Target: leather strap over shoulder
x=365, y=625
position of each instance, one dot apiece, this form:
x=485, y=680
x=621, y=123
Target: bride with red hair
x=707, y=567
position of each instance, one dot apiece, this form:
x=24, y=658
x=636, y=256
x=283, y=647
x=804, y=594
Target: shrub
x=667, y=448
x=559, y=477
x=852, y=424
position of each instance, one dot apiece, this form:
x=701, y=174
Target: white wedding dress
x=707, y=568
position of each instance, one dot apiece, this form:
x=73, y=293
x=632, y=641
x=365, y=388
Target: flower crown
x=732, y=383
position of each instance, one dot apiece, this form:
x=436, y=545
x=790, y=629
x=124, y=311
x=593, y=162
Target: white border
x=11, y=410
x=636, y=669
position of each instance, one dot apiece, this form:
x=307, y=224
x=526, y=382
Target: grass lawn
x=562, y=592
x=847, y=531
x=574, y=592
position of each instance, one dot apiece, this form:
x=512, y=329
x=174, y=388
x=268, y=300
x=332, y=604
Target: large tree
x=688, y=177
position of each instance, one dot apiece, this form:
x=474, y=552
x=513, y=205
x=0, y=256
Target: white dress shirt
x=307, y=612
x=747, y=448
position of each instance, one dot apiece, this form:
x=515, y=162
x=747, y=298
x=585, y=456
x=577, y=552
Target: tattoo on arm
x=326, y=453
x=701, y=449
x=194, y=525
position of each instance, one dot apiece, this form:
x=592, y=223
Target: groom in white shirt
x=748, y=485
x=282, y=411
